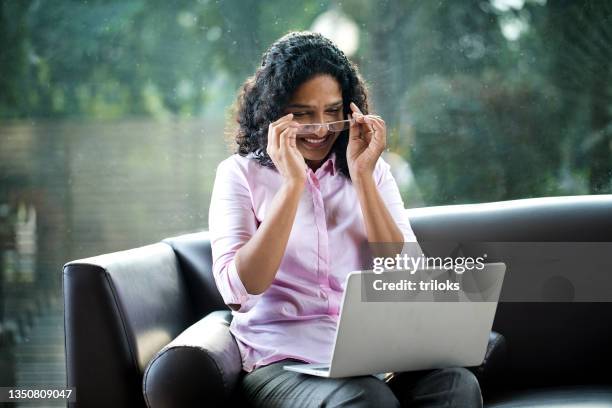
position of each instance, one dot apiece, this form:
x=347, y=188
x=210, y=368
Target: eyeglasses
x=313, y=128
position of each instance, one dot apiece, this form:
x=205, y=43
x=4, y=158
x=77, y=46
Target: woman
x=289, y=215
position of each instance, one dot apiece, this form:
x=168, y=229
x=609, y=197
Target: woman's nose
x=322, y=131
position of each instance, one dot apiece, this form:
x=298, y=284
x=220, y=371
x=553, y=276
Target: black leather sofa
x=147, y=326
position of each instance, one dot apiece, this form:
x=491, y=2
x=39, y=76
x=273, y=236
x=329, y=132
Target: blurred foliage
x=492, y=133
x=109, y=59
x=486, y=100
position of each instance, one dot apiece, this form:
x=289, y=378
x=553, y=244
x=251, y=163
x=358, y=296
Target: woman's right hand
x=283, y=151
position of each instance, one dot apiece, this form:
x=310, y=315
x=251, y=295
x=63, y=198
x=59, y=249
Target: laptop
x=393, y=336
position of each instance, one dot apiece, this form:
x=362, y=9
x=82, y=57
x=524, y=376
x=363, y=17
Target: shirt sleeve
x=391, y=196
x=231, y=223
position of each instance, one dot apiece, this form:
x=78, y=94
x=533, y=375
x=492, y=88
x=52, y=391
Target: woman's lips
x=315, y=142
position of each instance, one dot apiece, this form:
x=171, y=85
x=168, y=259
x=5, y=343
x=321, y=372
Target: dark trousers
x=271, y=386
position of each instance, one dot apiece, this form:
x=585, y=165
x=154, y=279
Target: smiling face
x=318, y=100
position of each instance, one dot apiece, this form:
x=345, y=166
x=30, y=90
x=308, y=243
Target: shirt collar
x=330, y=164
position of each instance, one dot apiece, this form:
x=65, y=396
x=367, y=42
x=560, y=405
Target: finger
x=365, y=121
x=284, y=138
x=273, y=138
x=355, y=108
x=289, y=138
x=288, y=116
x=368, y=122
x=359, y=128
x=291, y=146
x=285, y=124
x=377, y=125
x=292, y=139
x=273, y=132
x=271, y=142
x=280, y=128
x=380, y=135
x=367, y=135
x=355, y=129
x=359, y=118
x=380, y=131
x=379, y=122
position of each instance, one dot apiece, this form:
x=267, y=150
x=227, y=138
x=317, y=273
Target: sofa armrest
x=201, y=365
x=120, y=309
x=494, y=360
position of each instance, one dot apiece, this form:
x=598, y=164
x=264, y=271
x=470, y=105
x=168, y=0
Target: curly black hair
x=290, y=61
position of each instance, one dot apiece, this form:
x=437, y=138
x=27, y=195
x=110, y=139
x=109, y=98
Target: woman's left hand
x=367, y=141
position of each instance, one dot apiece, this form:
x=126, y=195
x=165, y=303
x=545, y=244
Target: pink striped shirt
x=296, y=316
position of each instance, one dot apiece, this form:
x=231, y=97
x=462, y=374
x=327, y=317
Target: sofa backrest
x=194, y=255
x=557, y=219
x=550, y=343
